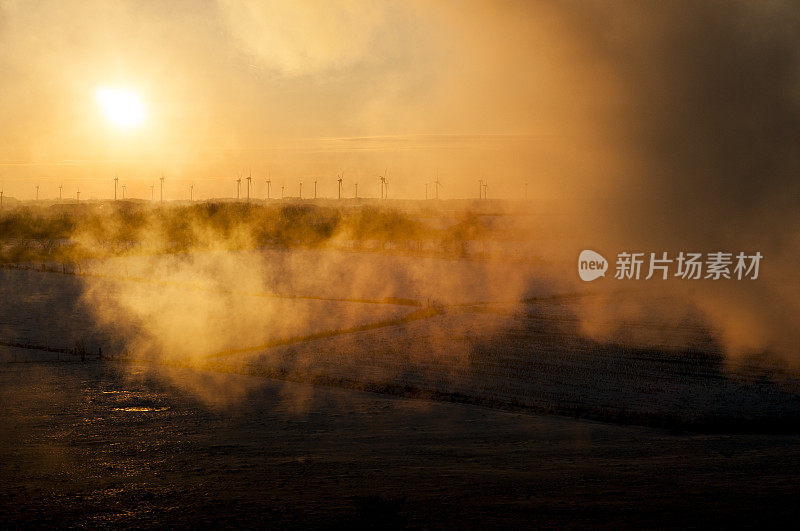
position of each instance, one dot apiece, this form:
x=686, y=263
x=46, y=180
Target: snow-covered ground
x=253, y=412
x=109, y=445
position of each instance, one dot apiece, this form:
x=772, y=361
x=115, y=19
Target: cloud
x=304, y=37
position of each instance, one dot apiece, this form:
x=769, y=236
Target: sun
x=122, y=107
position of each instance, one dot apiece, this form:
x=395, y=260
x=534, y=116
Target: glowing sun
x=121, y=107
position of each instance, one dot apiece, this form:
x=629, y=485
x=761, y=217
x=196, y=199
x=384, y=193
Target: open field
x=93, y=444
x=349, y=386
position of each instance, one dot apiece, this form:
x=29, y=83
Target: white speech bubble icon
x=591, y=265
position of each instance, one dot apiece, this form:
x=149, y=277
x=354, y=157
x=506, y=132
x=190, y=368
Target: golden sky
x=301, y=89
x=631, y=101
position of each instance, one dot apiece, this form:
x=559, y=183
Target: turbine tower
x=123, y=191
x=37, y=192
x=238, y=188
x=249, y=178
x=60, y=186
x=116, y=179
x=437, y=184
x=269, y=182
x=480, y=188
x=340, y=185
x=356, y=190
x=301, y=189
x=191, y=192
x=78, y=195
x=282, y=187
x=162, y=186
x=385, y=184
x=315, y=188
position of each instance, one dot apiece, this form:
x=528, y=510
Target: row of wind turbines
x=116, y=185
x=60, y=190
x=339, y=178
x=383, y=179
x=152, y=189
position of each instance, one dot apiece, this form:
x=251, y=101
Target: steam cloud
x=710, y=125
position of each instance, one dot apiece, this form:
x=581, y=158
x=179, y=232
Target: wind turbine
x=249, y=178
x=123, y=191
x=485, y=188
x=162, y=186
x=301, y=189
x=340, y=185
x=78, y=195
x=60, y=186
x=315, y=188
x=238, y=187
x=191, y=192
x=37, y=192
x=282, y=187
x=480, y=188
x=269, y=182
x=385, y=184
x=356, y=190
x=437, y=184
x=116, y=179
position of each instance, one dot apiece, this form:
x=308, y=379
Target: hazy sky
x=302, y=89
x=585, y=100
